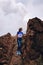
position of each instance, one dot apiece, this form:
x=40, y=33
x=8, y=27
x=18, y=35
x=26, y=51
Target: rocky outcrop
x=6, y=48
x=35, y=34
x=32, y=46
x=33, y=40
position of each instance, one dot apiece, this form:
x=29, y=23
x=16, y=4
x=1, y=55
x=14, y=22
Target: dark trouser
x=19, y=41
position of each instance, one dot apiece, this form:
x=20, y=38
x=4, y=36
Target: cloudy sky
x=16, y=13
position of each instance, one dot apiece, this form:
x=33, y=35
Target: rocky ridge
x=32, y=46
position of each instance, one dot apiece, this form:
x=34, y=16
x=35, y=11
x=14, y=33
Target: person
x=19, y=41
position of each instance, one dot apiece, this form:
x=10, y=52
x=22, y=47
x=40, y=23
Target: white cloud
x=35, y=9
x=37, y=2
x=12, y=15
x=15, y=14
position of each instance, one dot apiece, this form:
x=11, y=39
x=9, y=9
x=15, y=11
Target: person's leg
x=18, y=49
x=19, y=46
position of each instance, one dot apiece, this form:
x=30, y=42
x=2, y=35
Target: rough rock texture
x=35, y=34
x=32, y=47
x=6, y=48
x=33, y=40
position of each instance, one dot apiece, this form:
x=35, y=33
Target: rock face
x=32, y=47
x=34, y=39
x=35, y=35
x=6, y=47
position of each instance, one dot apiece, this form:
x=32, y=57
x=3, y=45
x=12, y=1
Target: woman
x=19, y=40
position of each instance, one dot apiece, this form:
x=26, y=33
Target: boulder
x=6, y=47
x=33, y=40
